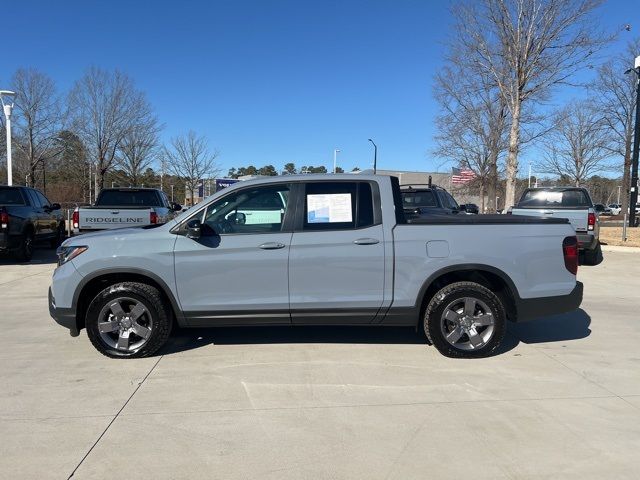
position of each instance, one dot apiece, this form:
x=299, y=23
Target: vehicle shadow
x=558, y=328
x=41, y=256
x=191, y=338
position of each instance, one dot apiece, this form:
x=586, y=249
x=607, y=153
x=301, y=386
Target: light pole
x=375, y=156
x=8, y=107
x=335, y=159
x=529, y=175
x=172, y=192
x=636, y=146
x=619, y=187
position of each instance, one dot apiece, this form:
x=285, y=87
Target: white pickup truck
x=124, y=207
x=316, y=250
x=572, y=203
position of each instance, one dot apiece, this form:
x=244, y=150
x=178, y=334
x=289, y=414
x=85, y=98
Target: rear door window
x=419, y=199
x=35, y=201
x=338, y=206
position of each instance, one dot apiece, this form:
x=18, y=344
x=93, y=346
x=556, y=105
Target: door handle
x=548, y=212
x=272, y=246
x=366, y=241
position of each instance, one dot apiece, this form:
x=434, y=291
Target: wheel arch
x=28, y=227
x=493, y=278
x=92, y=284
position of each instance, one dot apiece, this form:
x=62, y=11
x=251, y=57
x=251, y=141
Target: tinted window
x=142, y=198
x=338, y=206
x=555, y=198
x=41, y=198
x=452, y=202
x=35, y=201
x=11, y=196
x=443, y=199
x=364, y=214
x=419, y=199
x=256, y=210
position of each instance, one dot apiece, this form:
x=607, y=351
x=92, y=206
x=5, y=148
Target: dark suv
x=26, y=217
x=421, y=200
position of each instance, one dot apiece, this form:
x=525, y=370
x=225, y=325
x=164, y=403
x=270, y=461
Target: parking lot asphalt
x=560, y=400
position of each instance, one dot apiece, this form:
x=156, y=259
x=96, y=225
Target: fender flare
x=175, y=305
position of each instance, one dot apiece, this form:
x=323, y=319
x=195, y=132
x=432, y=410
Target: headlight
x=69, y=253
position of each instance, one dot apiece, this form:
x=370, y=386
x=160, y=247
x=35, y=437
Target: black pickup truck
x=27, y=217
x=428, y=200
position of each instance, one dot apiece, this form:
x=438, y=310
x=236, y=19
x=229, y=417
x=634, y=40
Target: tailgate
x=577, y=217
x=105, y=218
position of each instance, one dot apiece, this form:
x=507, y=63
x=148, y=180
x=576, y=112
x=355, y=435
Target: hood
x=108, y=235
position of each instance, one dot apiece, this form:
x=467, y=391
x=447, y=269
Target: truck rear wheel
x=25, y=250
x=593, y=257
x=465, y=320
x=128, y=320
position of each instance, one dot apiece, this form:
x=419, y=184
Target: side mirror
x=193, y=229
x=238, y=218
x=176, y=207
x=55, y=206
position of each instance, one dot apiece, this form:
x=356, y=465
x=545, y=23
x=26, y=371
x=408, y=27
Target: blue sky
x=268, y=82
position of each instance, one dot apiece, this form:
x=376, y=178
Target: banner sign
x=225, y=182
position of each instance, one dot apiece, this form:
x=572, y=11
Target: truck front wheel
x=128, y=320
x=465, y=320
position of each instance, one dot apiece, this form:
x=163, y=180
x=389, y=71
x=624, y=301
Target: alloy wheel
x=467, y=323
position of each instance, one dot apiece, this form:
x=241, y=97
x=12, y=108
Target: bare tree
x=188, y=157
x=138, y=148
x=105, y=106
x=472, y=124
x=38, y=121
x=579, y=145
x=72, y=167
x=528, y=46
x=616, y=97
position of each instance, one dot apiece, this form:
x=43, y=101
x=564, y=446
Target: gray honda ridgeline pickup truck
x=315, y=250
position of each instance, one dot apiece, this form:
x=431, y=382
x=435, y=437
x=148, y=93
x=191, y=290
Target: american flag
x=460, y=176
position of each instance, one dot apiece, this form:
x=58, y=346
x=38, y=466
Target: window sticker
x=549, y=197
x=329, y=208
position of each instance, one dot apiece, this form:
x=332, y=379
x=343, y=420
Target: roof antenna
x=429, y=181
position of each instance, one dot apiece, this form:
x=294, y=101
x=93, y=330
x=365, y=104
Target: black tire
x=436, y=326
x=593, y=257
x=59, y=237
x=25, y=251
x=157, y=318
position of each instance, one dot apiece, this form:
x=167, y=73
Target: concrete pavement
x=562, y=399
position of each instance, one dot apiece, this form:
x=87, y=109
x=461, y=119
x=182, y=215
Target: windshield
x=419, y=199
x=11, y=196
x=555, y=198
x=128, y=198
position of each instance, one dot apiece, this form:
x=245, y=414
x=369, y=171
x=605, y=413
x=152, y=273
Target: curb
x=617, y=248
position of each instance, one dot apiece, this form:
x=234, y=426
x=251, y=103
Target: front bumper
x=63, y=316
x=530, y=308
